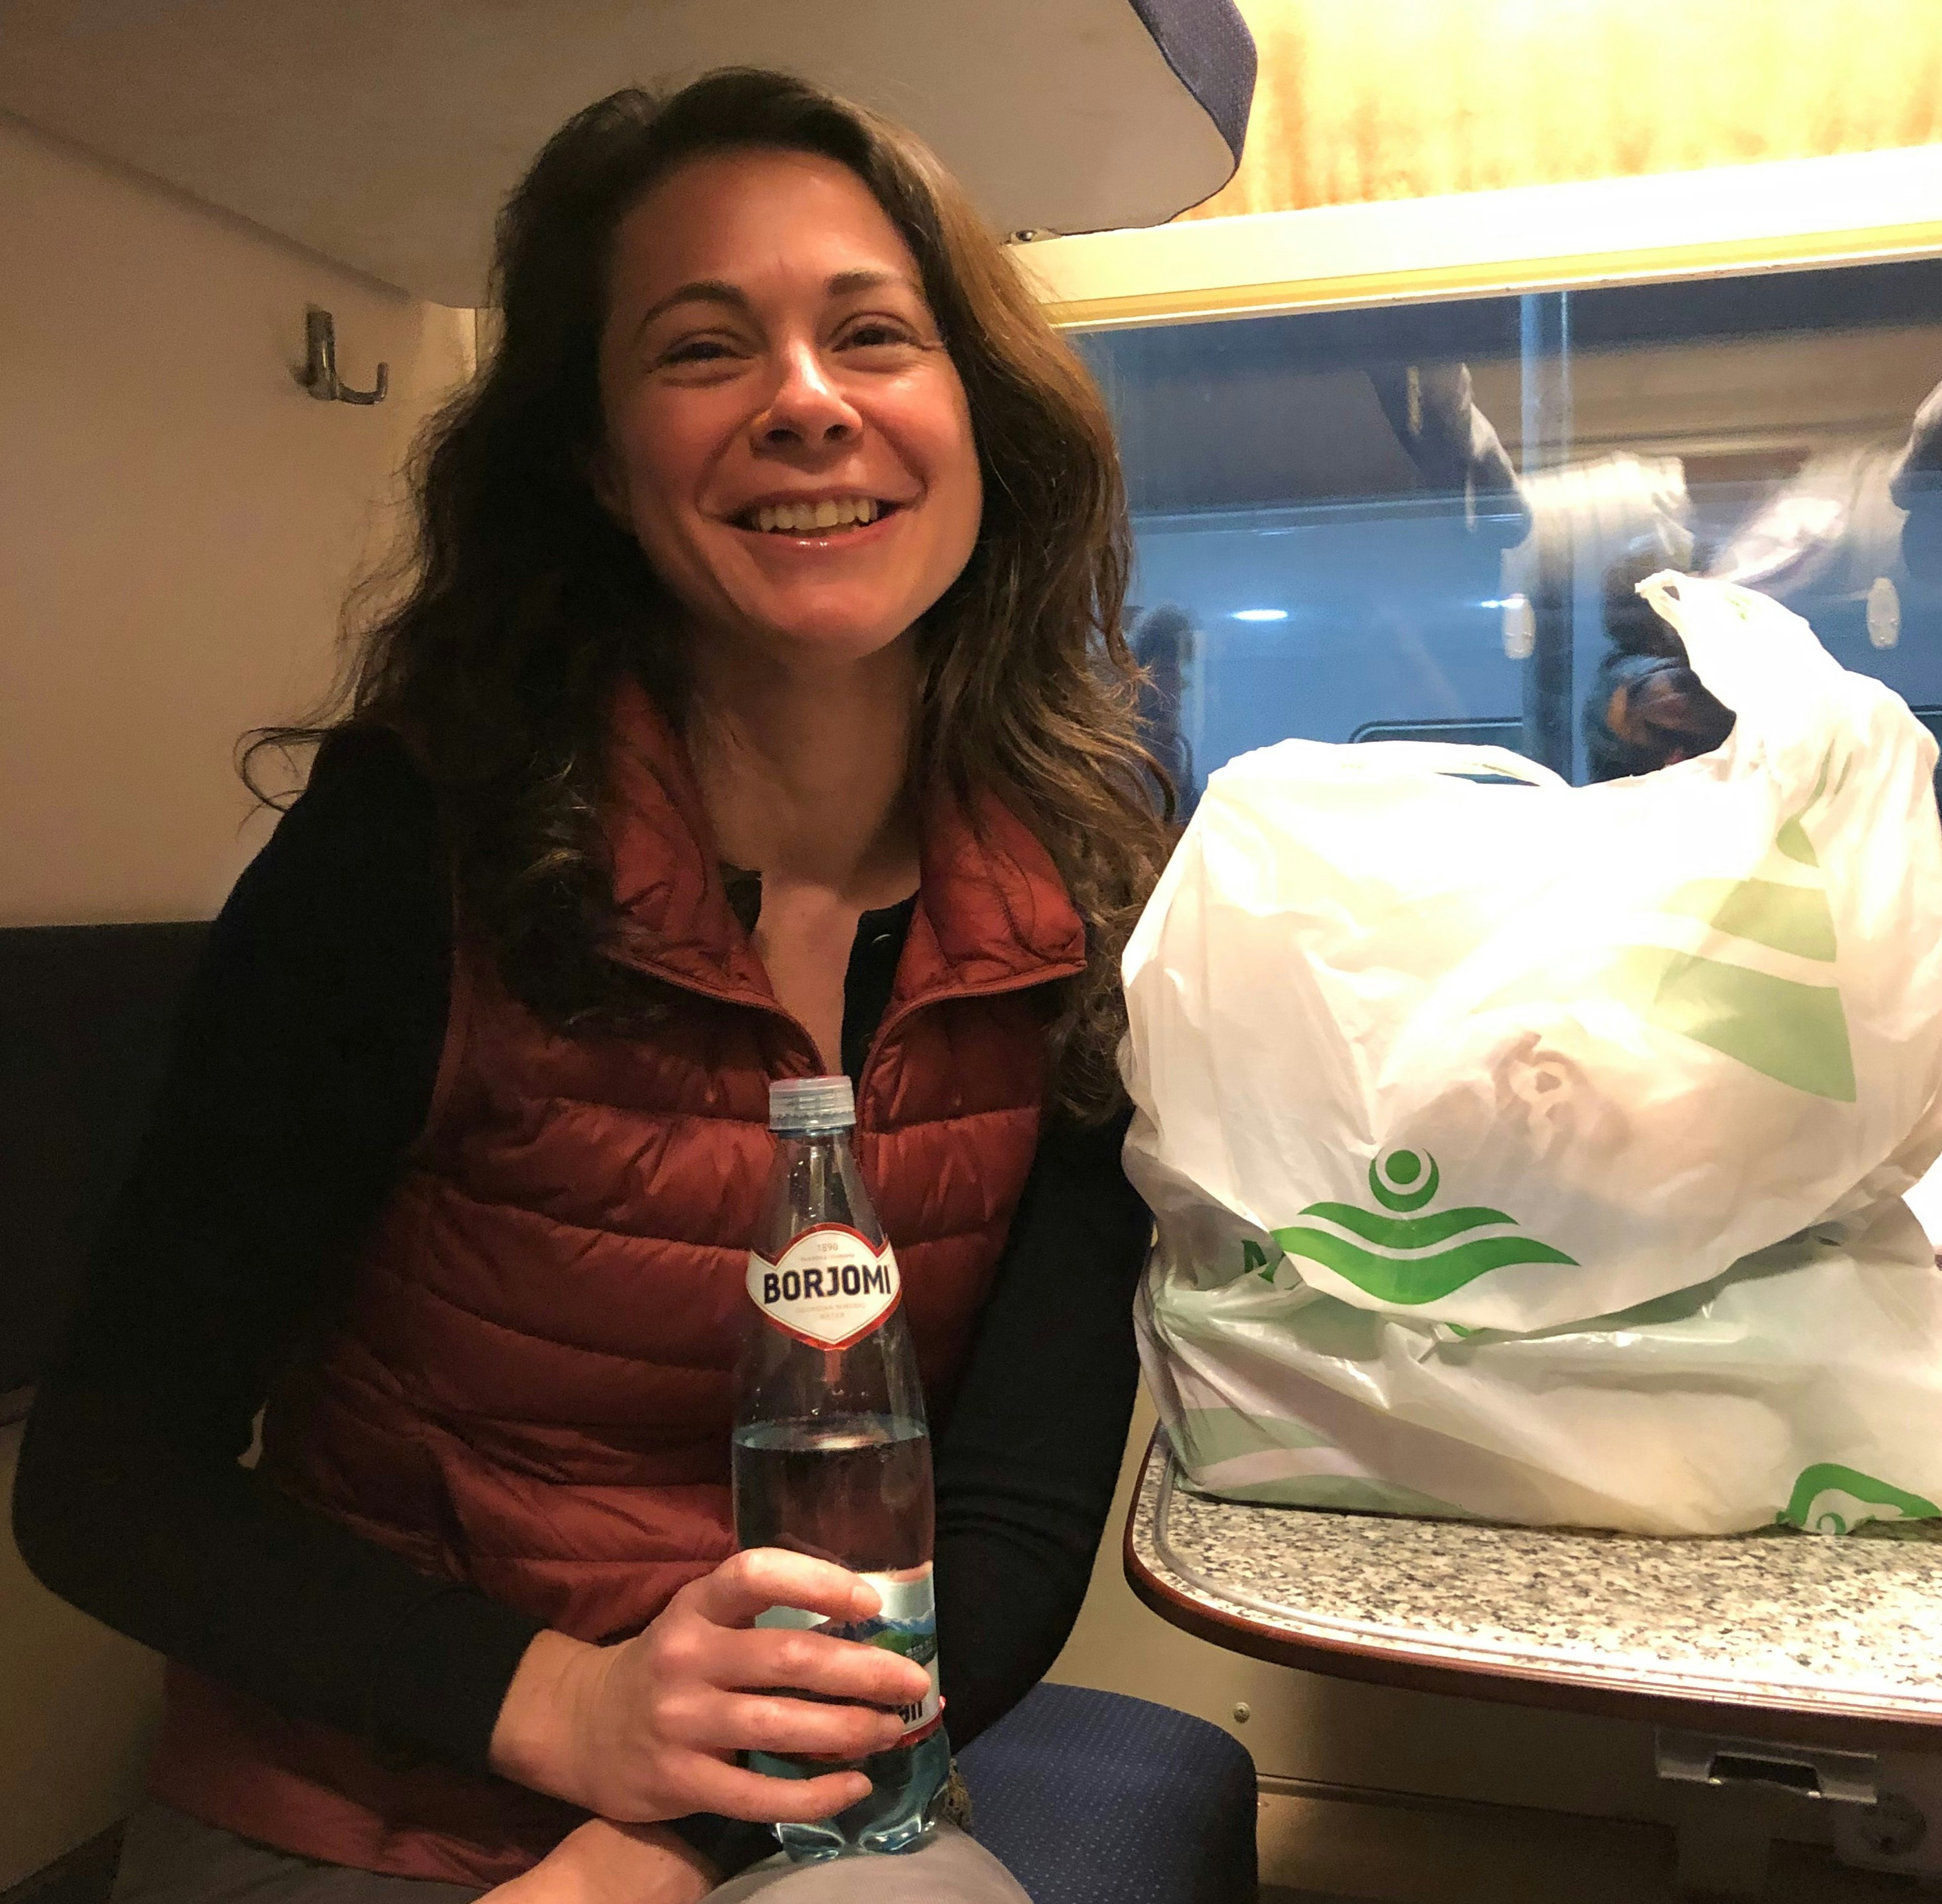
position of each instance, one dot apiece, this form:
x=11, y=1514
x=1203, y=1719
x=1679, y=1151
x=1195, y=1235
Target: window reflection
x=1424, y=522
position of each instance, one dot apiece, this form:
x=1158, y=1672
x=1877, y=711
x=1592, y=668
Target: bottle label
x=829, y=1288
x=907, y=1624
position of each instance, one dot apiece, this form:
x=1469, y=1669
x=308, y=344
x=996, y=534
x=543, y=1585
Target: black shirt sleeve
x=1027, y=1463
x=302, y=1069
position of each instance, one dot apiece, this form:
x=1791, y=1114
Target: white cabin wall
x=178, y=520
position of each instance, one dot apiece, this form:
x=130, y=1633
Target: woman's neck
x=805, y=773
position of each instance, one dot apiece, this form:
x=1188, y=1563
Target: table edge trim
x=1475, y=1672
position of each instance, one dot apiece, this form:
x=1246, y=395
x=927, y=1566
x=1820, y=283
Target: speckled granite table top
x=1848, y=1625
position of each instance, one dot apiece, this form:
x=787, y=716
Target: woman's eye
x=876, y=334
x=698, y=351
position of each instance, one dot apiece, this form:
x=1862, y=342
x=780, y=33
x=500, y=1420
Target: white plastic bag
x=1425, y=1042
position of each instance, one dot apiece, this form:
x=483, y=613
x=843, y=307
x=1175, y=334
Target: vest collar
x=992, y=913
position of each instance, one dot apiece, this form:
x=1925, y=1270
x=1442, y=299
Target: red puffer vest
x=530, y=1389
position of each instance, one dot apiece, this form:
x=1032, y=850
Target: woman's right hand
x=649, y=1729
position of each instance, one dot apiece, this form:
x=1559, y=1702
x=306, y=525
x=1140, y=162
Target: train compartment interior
x=1395, y=490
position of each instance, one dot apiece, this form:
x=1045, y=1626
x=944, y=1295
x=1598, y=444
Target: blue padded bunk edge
x=1095, y=1798
x=1207, y=44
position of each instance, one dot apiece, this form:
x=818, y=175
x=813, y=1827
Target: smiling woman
x=754, y=295
x=755, y=706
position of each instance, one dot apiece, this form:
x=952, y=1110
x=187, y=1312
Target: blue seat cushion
x=1093, y=1798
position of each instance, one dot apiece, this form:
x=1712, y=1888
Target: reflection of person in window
x=1163, y=643
x=1855, y=521
x=1860, y=513
x=1915, y=485
x=1646, y=708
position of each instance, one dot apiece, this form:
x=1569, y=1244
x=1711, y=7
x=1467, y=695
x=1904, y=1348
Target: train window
x=1415, y=521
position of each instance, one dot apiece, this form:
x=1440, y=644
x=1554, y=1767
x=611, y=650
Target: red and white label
x=829, y=1288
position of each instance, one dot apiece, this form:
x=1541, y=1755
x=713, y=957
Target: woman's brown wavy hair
x=523, y=603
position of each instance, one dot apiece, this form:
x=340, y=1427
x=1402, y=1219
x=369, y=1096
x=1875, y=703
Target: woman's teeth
x=800, y=518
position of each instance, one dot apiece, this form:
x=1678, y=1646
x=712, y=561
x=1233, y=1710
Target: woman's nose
x=807, y=408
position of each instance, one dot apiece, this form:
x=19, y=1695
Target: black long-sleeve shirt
x=303, y=1069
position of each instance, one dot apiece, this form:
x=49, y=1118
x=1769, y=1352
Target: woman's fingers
x=757, y=1658
x=648, y=1725
x=770, y=1723
x=728, y=1791
x=751, y=1582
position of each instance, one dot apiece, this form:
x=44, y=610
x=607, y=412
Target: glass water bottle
x=831, y=1456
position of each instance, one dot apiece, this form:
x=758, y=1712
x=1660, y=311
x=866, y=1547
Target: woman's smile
x=805, y=516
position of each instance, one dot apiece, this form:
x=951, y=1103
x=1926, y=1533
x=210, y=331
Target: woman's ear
x=609, y=490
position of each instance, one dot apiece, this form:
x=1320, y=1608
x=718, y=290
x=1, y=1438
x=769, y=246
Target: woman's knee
x=952, y=1869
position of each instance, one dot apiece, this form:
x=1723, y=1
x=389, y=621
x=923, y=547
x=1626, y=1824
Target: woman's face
x=786, y=435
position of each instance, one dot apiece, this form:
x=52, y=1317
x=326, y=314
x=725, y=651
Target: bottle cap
x=811, y=1104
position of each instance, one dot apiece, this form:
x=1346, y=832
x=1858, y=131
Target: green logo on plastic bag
x=1792, y=1029
x=1404, y=1258
x=1829, y=1498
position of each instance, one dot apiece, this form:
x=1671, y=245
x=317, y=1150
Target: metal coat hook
x=319, y=376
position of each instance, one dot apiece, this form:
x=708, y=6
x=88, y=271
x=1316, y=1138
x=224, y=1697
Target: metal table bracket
x=1810, y=1771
